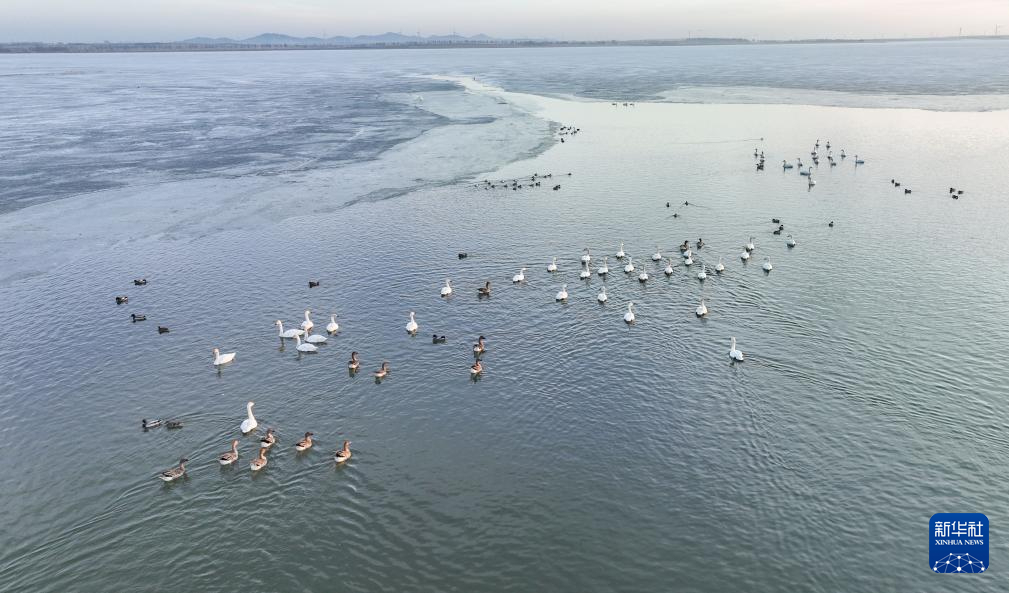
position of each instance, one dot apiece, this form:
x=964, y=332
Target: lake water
x=591, y=455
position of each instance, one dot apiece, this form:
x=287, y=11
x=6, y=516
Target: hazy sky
x=168, y=20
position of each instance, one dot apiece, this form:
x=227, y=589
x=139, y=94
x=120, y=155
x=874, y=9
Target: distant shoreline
x=60, y=47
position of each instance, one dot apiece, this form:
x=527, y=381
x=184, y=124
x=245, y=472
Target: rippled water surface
x=591, y=455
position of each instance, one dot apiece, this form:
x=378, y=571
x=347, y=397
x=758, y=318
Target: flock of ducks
x=258, y=462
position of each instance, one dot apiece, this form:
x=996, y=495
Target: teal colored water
x=591, y=455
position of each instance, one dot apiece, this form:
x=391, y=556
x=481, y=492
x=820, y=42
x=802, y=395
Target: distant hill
x=384, y=38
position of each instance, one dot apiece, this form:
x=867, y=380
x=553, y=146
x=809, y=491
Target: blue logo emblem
x=958, y=542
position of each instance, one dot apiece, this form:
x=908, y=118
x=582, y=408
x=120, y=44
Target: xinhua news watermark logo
x=958, y=542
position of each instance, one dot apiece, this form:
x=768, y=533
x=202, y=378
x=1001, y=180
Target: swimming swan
x=620, y=253
x=447, y=289
x=701, y=310
x=588, y=255
x=629, y=315
x=552, y=266
x=289, y=333
x=305, y=347
x=669, y=267
x=735, y=354
x=586, y=272
x=332, y=327
x=703, y=274
x=630, y=265
x=605, y=268
x=601, y=297
x=222, y=359
x=563, y=294
x=657, y=256
x=520, y=277
x=249, y=424
x=411, y=326
x=767, y=264
x=719, y=267
x=790, y=241
x=307, y=324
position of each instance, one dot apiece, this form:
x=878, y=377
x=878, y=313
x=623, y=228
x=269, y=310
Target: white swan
x=701, y=310
x=669, y=267
x=689, y=261
x=657, y=256
x=790, y=241
x=786, y=165
x=629, y=315
x=586, y=272
x=703, y=274
x=412, y=326
x=563, y=294
x=315, y=339
x=447, y=289
x=643, y=276
x=332, y=327
x=620, y=252
x=304, y=347
x=605, y=268
x=767, y=264
x=805, y=172
x=735, y=354
x=745, y=255
x=289, y=333
x=630, y=265
x=588, y=255
x=602, y=295
x=687, y=253
x=307, y=324
x=520, y=277
x=719, y=267
x=749, y=245
x=552, y=266
x=249, y=424
x=220, y=359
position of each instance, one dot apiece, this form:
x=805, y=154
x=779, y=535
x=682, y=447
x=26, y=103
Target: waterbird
x=173, y=424
x=563, y=294
x=463, y=255
x=162, y=329
x=436, y=339
x=174, y=473
x=629, y=315
x=601, y=297
x=719, y=267
x=745, y=255
x=735, y=354
x=586, y=272
x=643, y=276
x=686, y=254
x=588, y=255
x=411, y=326
x=703, y=274
x=140, y=282
x=447, y=289
x=476, y=368
x=657, y=255
x=229, y=457
x=620, y=252
x=135, y=317
x=307, y=324
x=767, y=264
x=831, y=224
x=605, y=268
x=291, y=333
x=479, y=347
x=268, y=439
x=749, y=244
x=120, y=300
x=305, y=346
x=354, y=362
x=222, y=359
x=304, y=444
x=315, y=339
x=313, y=283
x=859, y=161
x=485, y=291
x=520, y=277
x=790, y=241
x=343, y=454
x=259, y=462
x=149, y=424
x=249, y=424
x=701, y=310
x=332, y=327
x=689, y=261
x=629, y=267
x=552, y=266
x=669, y=267
x=382, y=372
